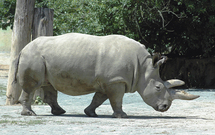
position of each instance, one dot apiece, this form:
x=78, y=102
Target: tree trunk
x=21, y=36
x=42, y=26
x=43, y=22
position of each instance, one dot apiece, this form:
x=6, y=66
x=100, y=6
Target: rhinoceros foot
x=119, y=115
x=28, y=113
x=58, y=111
x=90, y=113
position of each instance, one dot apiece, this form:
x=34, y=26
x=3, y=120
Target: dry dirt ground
x=195, y=117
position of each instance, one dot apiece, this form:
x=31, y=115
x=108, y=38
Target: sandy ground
x=196, y=117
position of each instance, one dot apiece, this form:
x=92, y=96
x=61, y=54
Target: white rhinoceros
x=78, y=64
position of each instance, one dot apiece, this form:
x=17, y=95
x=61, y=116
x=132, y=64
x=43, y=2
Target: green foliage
x=7, y=12
x=39, y=101
x=173, y=27
x=87, y=16
x=74, y=16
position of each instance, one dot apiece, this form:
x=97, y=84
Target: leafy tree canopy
x=7, y=12
x=177, y=27
x=174, y=27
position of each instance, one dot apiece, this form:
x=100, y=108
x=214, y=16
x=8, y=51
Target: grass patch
x=2, y=87
x=5, y=40
x=23, y=123
x=6, y=116
x=35, y=122
x=4, y=121
x=2, y=90
x=77, y=122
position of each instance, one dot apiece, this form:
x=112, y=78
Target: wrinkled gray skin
x=78, y=64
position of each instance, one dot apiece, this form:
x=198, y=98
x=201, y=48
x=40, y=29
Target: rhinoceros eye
x=158, y=88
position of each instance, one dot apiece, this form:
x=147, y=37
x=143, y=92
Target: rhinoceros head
x=158, y=93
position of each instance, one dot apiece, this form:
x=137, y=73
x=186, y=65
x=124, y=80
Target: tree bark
x=21, y=36
x=42, y=26
x=43, y=22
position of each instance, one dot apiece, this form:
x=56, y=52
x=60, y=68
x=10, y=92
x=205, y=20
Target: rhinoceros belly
x=74, y=87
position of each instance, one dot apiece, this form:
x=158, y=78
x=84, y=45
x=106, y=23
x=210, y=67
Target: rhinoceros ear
x=156, y=57
x=158, y=60
x=173, y=83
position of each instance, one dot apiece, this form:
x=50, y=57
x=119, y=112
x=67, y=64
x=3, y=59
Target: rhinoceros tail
x=15, y=66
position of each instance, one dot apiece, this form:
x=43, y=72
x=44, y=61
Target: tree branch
x=163, y=22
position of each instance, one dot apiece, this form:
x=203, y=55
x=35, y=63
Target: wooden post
x=42, y=26
x=21, y=36
x=43, y=22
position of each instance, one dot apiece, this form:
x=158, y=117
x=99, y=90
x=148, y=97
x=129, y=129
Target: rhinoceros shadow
x=129, y=117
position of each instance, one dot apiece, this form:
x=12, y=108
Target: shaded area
x=197, y=73
x=109, y=116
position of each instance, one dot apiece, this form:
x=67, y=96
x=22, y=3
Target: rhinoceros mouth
x=162, y=108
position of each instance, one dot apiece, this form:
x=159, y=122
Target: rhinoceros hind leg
x=28, y=112
x=98, y=99
x=26, y=99
x=115, y=94
x=50, y=97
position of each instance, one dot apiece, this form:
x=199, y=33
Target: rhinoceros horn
x=173, y=83
x=176, y=94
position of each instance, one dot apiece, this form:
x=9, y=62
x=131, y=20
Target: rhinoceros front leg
x=115, y=93
x=50, y=97
x=98, y=99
